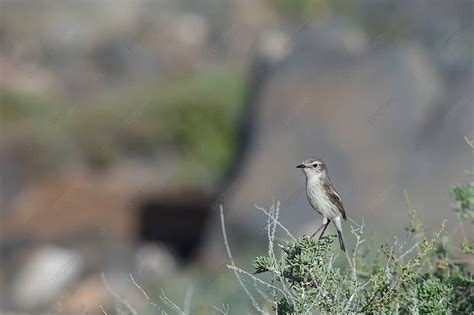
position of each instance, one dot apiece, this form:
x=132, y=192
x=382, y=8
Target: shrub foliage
x=418, y=276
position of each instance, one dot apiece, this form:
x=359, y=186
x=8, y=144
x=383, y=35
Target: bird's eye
x=315, y=164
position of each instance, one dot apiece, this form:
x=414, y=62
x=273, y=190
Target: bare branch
x=224, y=310
x=143, y=292
x=276, y=222
x=408, y=251
x=239, y=270
x=116, y=296
x=229, y=253
x=102, y=309
x=187, y=299
x=165, y=299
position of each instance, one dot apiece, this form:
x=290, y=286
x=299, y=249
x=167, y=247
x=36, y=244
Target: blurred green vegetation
x=379, y=28
x=195, y=117
x=297, y=9
x=463, y=195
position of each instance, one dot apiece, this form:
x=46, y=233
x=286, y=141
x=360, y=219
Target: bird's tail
x=337, y=223
x=341, y=240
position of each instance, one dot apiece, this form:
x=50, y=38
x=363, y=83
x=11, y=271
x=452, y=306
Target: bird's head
x=313, y=167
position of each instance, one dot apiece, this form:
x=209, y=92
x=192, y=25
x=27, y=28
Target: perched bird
x=323, y=196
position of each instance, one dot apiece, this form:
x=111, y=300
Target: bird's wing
x=334, y=197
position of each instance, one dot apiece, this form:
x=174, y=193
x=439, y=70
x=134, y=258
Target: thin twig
x=262, y=294
x=288, y=294
x=239, y=270
x=276, y=221
x=165, y=299
x=187, y=299
x=116, y=296
x=273, y=215
x=102, y=309
x=139, y=287
x=323, y=283
x=354, y=221
x=143, y=292
x=461, y=225
x=358, y=234
x=408, y=251
x=271, y=254
x=224, y=311
x=229, y=254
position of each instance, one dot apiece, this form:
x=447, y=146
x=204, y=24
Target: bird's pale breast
x=320, y=201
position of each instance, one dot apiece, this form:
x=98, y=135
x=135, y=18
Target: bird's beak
x=301, y=166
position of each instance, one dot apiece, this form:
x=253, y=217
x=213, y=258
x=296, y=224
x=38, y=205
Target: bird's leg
x=319, y=229
x=325, y=227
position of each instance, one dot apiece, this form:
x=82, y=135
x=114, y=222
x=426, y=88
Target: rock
x=152, y=261
x=359, y=110
x=191, y=29
x=69, y=205
x=45, y=275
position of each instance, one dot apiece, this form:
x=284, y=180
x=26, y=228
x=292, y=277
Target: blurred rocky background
x=124, y=125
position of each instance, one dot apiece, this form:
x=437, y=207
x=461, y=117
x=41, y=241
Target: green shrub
x=422, y=279
x=194, y=118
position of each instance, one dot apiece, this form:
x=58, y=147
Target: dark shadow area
x=175, y=221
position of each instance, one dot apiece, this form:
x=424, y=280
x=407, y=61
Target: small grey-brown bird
x=323, y=197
